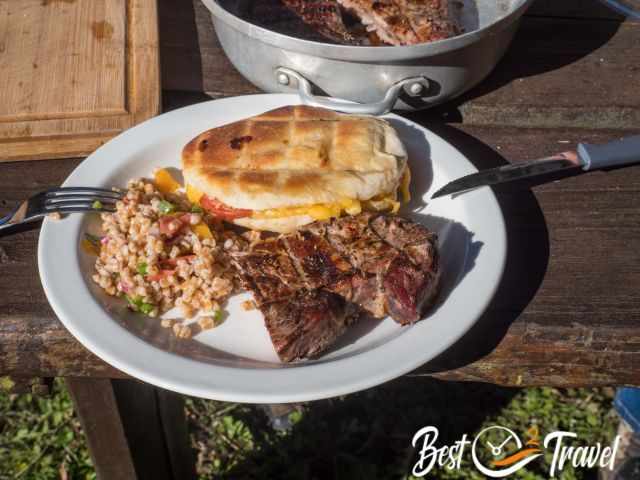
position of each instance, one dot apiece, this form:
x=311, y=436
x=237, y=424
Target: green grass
x=40, y=438
x=361, y=436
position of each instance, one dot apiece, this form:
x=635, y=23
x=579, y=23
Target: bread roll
x=295, y=156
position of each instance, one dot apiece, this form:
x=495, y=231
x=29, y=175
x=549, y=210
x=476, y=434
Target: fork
x=62, y=200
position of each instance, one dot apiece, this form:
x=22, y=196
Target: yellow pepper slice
x=165, y=182
x=89, y=247
x=202, y=231
x=404, y=185
x=193, y=194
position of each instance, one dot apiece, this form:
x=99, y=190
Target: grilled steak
x=268, y=272
x=323, y=15
x=411, y=281
x=307, y=323
x=400, y=254
x=379, y=264
x=412, y=238
x=405, y=22
x=318, y=263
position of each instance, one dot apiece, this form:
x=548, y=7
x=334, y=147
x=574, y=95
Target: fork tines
x=81, y=199
x=54, y=192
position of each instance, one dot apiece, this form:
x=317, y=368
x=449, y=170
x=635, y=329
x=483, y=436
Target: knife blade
x=625, y=151
x=509, y=173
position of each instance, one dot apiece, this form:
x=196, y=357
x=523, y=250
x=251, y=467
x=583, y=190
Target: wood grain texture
x=566, y=314
x=134, y=430
x=47, y=71
x=171, y=411
x=562, y=73
x=96, y=406
x=567, y=308
x=572, y=64
x=589, y=9
x=151, y=418
x=68, y=90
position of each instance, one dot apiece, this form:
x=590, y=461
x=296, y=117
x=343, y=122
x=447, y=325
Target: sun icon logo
x=506, y=449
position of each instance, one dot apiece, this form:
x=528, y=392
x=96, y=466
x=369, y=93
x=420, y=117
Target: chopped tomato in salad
x=160, y=275
x=220, y=210
x=173, y=262
x=168, y=267
x=171, y=225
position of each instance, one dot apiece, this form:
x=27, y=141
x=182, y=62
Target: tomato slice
x=171, y=225
x=173, y=262
x=168, y=267
x=160, y=275
x=220, y=210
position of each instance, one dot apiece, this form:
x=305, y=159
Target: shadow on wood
x=181, y=62
x=527, y=260
x=134, y=430
x=542, y=44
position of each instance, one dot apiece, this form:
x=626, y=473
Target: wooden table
x=567, y=312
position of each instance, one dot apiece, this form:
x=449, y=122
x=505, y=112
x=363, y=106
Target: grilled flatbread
x=292, y=158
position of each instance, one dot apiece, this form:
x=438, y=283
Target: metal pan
x=378, y=79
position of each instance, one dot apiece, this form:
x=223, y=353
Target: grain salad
x=159, y=251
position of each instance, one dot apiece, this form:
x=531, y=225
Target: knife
x=586, y=156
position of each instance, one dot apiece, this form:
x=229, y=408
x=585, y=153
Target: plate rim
x=104, y=348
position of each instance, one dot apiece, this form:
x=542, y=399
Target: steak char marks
x=323, y=15
x=311, y=284
x=307, y=323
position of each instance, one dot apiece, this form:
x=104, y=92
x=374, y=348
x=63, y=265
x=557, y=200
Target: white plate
x=236, y=361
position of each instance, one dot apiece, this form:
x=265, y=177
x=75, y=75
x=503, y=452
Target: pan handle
x=414, y=86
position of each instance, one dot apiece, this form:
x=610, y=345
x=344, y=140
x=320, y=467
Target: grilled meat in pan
x=405, y=22
x=394, y=22
x=375, y=264
x=431, y=20
x=323, y=15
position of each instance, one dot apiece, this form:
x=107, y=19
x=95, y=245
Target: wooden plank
x=559, y=72
x=68, y=90
x=134, y=430
x=138, y=407
x=45, y=70
x=556, y=320
x=574, y=9
x=66, y=146
x=192, y=58
x=173, y=420
x=97, y=409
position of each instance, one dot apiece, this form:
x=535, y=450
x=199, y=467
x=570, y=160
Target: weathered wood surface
x=135, y=431
x=572, y=64
x=567, y=312
x=96, y=406
x=66, y=91
x=568, y=301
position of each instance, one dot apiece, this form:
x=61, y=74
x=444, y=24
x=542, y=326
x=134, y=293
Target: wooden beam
x=96, y=406
x=134, y=430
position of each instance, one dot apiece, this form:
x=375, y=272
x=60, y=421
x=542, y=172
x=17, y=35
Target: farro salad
x=159, y=251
